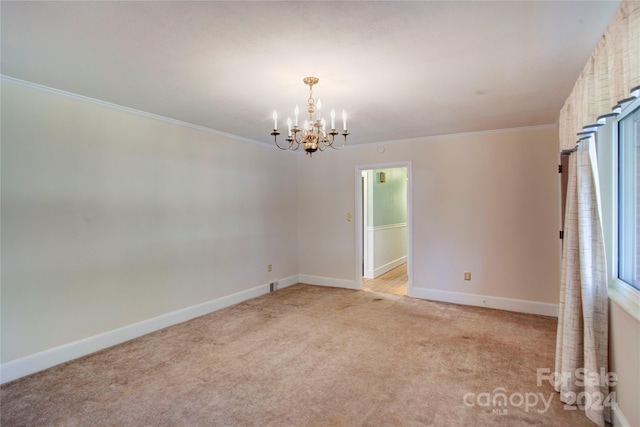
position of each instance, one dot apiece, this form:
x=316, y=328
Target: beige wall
x=110, y=218
x=625, y=361
x=485, y=203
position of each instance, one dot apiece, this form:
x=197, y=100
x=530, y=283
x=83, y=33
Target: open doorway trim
x=360, y=210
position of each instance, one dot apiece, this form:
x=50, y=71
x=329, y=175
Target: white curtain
x=609, y=75
x=582, y=340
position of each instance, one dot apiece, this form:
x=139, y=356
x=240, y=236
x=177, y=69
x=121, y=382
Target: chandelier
x=313, y=135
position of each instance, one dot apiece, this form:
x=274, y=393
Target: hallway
x=392, y=282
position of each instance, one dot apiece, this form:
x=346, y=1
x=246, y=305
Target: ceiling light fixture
x=313, y=136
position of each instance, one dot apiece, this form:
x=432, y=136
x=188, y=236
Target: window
x=628, y=198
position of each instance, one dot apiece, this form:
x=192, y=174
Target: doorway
x=394, y=281
x=384, y=228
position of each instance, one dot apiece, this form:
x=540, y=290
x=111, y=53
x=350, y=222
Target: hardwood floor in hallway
x=392, y=282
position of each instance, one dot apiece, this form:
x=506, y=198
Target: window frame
x=627, y=115
x=623, y=294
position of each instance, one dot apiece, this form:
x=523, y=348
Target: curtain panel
x=610, y=76
x=582, y=339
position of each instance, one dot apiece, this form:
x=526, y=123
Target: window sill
x=626, y=298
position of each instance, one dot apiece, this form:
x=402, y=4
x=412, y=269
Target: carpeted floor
x=310, y=356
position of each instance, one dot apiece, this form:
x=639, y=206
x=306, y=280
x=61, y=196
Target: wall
x=390, y=197
x=110, y=218
x=624, y=354
x=485, y=203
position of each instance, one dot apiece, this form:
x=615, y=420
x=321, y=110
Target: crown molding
x=434, y=138
x=46, y=89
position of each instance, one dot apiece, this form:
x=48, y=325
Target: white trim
x=509, y=304
x=33, y=363
x=367, y=236
x=328, y=281
x=389, y=266
x=82, y=98
x=626, y=297
x=386, y=227
x=446, y=136
x=622, y=294
x=618, y=419
x=372, y=241
x=288, y=281
x=369, y=251
x=390, y=165
x=77, y=97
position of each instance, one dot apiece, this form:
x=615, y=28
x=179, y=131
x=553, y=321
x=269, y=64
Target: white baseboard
x=389, y=266
x=618, y=419
x=328, y=281
x=33, y=363
x=509, y=304
x=288, y=281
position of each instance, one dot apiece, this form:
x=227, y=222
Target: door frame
x=360, y=213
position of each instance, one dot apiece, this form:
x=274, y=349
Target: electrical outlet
x=269, y=268
x=467, y=275
x=349, y=216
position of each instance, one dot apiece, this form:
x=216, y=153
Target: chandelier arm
x=296, y=140
x=343, y=142
x=275, y=139
x=322, y=138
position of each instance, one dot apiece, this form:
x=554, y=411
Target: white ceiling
x=400, y=69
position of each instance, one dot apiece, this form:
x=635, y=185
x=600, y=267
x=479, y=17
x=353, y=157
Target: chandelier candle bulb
x=289, y=124
x=319, y=108
x=344, y=120
x=333, y=119
x=275, y=120
x=296, y=112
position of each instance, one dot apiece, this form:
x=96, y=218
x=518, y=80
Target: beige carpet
x=308, y=356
